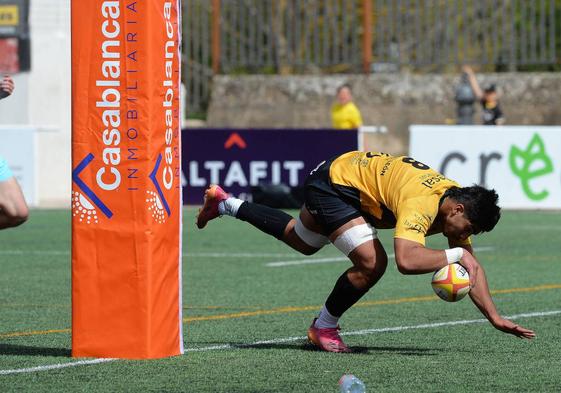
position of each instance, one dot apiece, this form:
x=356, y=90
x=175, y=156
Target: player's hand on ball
x=472, y=266
x=510, y=327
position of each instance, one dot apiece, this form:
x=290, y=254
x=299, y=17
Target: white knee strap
x=354, y=237
x=311, y=238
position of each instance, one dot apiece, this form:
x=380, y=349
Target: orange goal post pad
x=126, y=188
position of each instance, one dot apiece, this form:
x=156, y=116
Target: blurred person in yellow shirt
x=344, y=113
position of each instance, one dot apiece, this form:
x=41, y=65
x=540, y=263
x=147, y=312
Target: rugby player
x=13, y=209
x=351, y=196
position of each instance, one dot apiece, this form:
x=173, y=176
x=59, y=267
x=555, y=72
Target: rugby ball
x=451, y=283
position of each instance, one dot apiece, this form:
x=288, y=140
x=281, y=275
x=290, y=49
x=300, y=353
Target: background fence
x=330, y=36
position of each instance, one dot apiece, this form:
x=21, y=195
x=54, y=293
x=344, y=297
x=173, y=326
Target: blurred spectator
x=344, y=113
x=13, y=209
x=492, y=113
x=6, y=86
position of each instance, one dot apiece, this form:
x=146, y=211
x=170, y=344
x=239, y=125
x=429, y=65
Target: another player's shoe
x=213, y=196
x=327, y=339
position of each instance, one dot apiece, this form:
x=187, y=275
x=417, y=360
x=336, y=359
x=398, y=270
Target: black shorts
x=331, y=205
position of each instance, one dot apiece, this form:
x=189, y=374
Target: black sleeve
x=498, y=112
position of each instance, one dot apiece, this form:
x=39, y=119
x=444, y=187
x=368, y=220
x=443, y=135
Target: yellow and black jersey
x=395, y=191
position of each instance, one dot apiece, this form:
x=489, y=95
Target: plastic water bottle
x=351, y=384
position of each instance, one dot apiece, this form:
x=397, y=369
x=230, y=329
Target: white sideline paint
x=241, y=255
x=376, y=330
x=187, y=254
x=55, y=366
x=34, y=252
x=309, y=261
x=289, y=339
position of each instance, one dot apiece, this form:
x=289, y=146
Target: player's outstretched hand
x=510, y=327
x=472, y=267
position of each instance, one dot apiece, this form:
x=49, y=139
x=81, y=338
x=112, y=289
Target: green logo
x=529, y=164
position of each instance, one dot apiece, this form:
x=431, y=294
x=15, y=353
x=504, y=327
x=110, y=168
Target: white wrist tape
x=454, y=255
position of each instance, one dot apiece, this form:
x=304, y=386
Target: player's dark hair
x=490, y=88
x=480, y=206
x=341, y=87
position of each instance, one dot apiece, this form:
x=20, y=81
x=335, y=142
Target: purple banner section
x=238, y=159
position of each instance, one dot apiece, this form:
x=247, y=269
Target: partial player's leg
x=337, y=211
x=13, y=209
x=297, y=233
x=304, y=234
x=358, y=240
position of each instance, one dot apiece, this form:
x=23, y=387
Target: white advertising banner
x=522, y=163
x=17, y=147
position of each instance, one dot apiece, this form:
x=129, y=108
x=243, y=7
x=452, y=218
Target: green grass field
x=245, y=320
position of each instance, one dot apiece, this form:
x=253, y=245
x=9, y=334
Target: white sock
x=229, y=206
x=326, y=320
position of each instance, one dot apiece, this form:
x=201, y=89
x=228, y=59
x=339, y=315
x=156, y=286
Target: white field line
x=289, y=339
x=306, y=261
x=55, y=366
x=187, y=254
x=241, y=255
x=376, y=330
x=34, y=252
x=309, y=261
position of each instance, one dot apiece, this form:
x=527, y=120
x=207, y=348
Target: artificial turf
x=245, y=320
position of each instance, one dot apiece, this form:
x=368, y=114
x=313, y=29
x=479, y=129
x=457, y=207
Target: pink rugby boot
x=327, y=339
x=213, y=196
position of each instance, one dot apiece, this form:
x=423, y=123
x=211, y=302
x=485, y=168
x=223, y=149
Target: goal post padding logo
x=126, y=199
